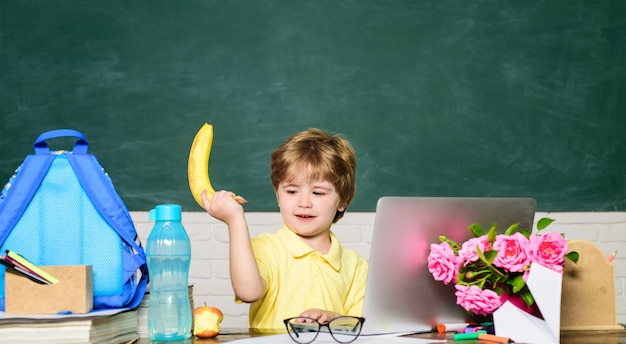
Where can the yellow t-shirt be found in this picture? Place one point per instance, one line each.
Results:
(299, 278)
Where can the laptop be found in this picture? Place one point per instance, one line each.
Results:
(401, 295)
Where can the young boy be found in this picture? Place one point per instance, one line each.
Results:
(301, 270)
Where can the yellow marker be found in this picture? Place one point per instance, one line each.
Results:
(32, 267)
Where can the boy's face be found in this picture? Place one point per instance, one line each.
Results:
(308, 207)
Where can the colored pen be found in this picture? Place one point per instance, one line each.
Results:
(10, 267)
(611, 257)
(494, 338)
(32, 267)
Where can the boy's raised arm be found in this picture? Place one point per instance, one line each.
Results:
(244, 271)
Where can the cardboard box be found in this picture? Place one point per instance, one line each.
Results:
(73, 293)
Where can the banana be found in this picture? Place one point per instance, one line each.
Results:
(198, 165)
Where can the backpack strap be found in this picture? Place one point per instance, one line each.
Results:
(21, 192)
(41, 147)
(141, 286)
(112, 209)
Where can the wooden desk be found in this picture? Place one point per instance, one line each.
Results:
(567, 337)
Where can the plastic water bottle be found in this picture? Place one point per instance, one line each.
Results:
(168, 253)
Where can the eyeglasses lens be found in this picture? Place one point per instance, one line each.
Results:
(303, 330)
(345, 329)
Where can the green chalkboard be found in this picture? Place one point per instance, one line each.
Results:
(439, 98)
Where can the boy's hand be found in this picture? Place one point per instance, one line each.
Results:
(222, 206)
(322, 316)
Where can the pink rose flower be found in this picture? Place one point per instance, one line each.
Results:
(512, 252)
(476, 300)
(549, 250)
(443, 264)
(468, 252)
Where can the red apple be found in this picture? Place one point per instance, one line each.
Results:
(206, 321)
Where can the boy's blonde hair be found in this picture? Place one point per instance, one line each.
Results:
(327, 157)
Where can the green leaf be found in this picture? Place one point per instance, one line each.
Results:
(453, 244)
(517, 283)
(526, 233)
(527, 297)
(491, 236)
(573, 256)
(490, 256)
(512, 229)
(543, 223)
(498, 290)
(459, 277)
(476, 230)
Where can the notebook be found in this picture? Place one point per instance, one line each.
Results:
(401, 295)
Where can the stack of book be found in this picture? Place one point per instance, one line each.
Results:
(142, 311)
(106, 326)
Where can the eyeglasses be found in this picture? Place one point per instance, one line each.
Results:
(343, 329)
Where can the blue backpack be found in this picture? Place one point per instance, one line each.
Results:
(60, 208)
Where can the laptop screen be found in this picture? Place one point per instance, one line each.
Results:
(401, 296)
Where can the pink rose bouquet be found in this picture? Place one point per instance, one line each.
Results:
(491, 268)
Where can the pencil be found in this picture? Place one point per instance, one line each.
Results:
(611, 257)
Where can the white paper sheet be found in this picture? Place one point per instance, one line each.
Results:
(512, 322)
(9, 318)
(325, 338)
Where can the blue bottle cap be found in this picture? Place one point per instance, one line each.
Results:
(165, 212)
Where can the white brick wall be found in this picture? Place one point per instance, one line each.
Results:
(209, 266)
